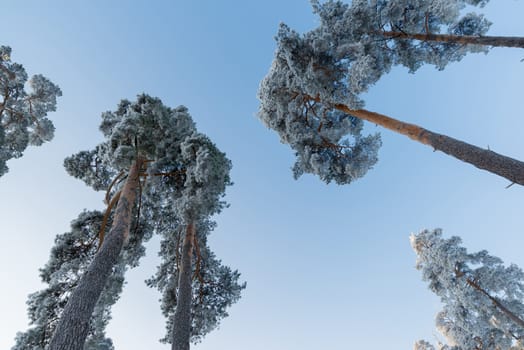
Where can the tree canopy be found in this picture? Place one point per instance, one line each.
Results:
(482, 298)
(23, 113)
(181, 177)
(214, 287)
(312, 93)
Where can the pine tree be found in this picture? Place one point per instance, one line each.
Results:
(311, 93)
(196, 292)
(139, 134)
(482, 298)
(23, 114)
(196, 287)
(154, 166)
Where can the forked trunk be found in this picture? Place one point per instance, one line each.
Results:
(73, 327)
(498, 41)
(182, 317)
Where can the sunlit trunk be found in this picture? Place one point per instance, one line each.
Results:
(485, 159)
(73, 327)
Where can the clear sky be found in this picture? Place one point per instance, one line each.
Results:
(327, 266)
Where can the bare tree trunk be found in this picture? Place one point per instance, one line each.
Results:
(73, 327)
(498, 41)
(485, 159)
(182, 317)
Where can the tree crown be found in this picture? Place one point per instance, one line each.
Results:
(23, 113)
(470, 285)
(338, 61)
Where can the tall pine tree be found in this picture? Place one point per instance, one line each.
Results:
(196, 287)
(311, 95)
(138, 134)
(153, 161)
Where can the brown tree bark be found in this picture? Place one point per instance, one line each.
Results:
(182, 317)
(485, 159)
(73, 327)
(497, 41)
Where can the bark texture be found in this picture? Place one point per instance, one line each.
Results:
(182, 317)
(485, 159)
(73, 327)
(497, 41)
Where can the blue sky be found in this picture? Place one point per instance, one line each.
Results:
(327, 266)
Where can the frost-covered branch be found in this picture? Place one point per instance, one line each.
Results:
(483, 299)
(23, 114)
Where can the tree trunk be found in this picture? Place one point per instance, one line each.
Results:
(73, 327)
(498, 41)
(485, 159)
(182, 317)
